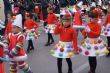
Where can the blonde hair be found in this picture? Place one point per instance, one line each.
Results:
(66, 17)
(60, 21)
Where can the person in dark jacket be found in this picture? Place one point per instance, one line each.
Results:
(7, 9)
(44, 5)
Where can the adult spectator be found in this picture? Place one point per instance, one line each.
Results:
(7, 9)
(44, 5)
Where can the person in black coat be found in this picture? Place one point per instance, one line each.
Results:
(64, 3)
(7, 9)
(44, 5)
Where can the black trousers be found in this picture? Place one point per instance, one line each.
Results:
(59, 64)
(30, 45)
(6, 18)
(50, 38)
(92, 63)
(1, 61)
(108, 40)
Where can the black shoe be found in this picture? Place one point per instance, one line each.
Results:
(47, 44)
(1, 61)
(70, 71)
(28, 51)
(32, 49)
(52, 42)
(60, 72)
(91, 72)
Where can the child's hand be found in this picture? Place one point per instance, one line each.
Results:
(6, 49)
(85, 37)
(10, 55)
(76, 52)
(36, 32)
(7, 58)
(103, 26)
(87, 29)
(108, 25)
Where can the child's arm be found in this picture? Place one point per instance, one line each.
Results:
(18, 46)
(8, 28)
(57, 29)
(106, 21)
(84, 33)
(46, 20)
(25, 25)
(75, 45)
(97, 32)
(55, 18)
(7, 41)
(36, 24)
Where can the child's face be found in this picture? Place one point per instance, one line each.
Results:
(50, 11)
(92, 20)
(77, 8)
(98, 7)
(15, 29)
(66, 23)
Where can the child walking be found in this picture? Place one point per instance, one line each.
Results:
(68, 41)
(49, 28)
(77, 15)
(31, 33)
(106, 28)
(93, 45)
(16, 52)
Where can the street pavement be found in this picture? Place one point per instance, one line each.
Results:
(42, 62)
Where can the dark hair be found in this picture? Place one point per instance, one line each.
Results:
(108, 5)
(10, 13)
(92, 8)
(92, 14)
(66, 17)
(50, 8)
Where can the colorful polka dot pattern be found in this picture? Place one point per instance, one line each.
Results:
(30, 35)
(63, 50)
(49, 28)
(93, 47)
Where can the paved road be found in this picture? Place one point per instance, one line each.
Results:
(42, 62)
